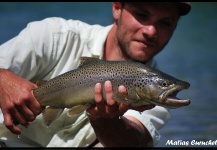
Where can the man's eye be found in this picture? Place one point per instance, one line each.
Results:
(165, 23)
(141, 17)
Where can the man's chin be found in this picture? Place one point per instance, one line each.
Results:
(141, 58)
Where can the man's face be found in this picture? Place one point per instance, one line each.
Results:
(143, 29)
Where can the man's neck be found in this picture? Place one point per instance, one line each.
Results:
(111, 49)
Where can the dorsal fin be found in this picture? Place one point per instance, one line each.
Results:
(86, 60)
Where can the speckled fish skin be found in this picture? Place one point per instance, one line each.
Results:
(145, 85)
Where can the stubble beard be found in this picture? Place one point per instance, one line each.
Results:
(123, 46)
(126, 53)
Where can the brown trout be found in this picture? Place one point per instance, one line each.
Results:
(75, 89)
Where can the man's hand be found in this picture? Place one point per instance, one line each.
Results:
(109, 108)
(111, 130)
(17, 101)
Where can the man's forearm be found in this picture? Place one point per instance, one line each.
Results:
(121, 132)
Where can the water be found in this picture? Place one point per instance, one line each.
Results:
(190, 55)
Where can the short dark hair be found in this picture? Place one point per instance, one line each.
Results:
(122, 4)
(184, 7)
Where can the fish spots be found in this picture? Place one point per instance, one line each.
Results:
(139, 84)
(77, 86)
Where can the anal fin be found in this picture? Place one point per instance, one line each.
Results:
(50, 114)
(123, 98)
(77, 110)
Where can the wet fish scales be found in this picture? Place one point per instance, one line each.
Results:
(145, 85)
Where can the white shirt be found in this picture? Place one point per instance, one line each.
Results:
(47, 48)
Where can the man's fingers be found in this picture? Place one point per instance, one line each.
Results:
(109, 93)
(32, 109)
(108, 107)
(122, 90)
(112, 105)
(27, 114)
(98, 98)
(98, 93)
(10, 125)
(16, 114)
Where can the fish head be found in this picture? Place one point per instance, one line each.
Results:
(162, 89)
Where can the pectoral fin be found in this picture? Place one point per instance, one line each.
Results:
(145, 100)
(77, 110)
(123, 98)
(50, 114)
(133, 98)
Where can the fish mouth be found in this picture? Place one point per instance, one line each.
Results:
(169, 98)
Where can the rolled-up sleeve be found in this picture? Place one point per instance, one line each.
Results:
(153, 119)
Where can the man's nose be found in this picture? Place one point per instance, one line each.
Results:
(149, 30)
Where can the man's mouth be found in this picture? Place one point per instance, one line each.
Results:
(146, 43)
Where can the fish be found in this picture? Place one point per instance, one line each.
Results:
(75, 89)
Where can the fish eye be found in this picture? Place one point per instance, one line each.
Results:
(164, 84)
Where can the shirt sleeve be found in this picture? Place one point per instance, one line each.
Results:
(31, 53)
(153, 119)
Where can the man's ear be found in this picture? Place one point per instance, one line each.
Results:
(116, 10)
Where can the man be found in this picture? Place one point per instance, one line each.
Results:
(47, 48)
